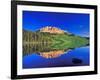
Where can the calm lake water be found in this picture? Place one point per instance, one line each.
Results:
(60, 58)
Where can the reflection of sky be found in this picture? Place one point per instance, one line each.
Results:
(36, 61)
(76, 23)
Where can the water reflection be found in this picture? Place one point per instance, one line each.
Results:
(43, 49)
(56, 58)
(52, 54)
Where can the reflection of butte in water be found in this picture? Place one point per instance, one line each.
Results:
(52, 54)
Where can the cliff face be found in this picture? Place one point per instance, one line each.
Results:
(51, 29)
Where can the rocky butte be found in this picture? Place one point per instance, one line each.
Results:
(51, 29)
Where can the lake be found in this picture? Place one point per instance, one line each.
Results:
(55, 58)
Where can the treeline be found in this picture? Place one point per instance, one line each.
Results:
(29, 36)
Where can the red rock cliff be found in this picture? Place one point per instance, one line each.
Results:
(51, 29)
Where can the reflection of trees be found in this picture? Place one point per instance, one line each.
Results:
(34, 48)
(42, 49)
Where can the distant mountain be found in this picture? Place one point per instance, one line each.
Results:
(52, 30)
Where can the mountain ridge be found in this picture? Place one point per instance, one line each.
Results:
(52, 30)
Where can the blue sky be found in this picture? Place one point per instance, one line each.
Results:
(76, 23)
